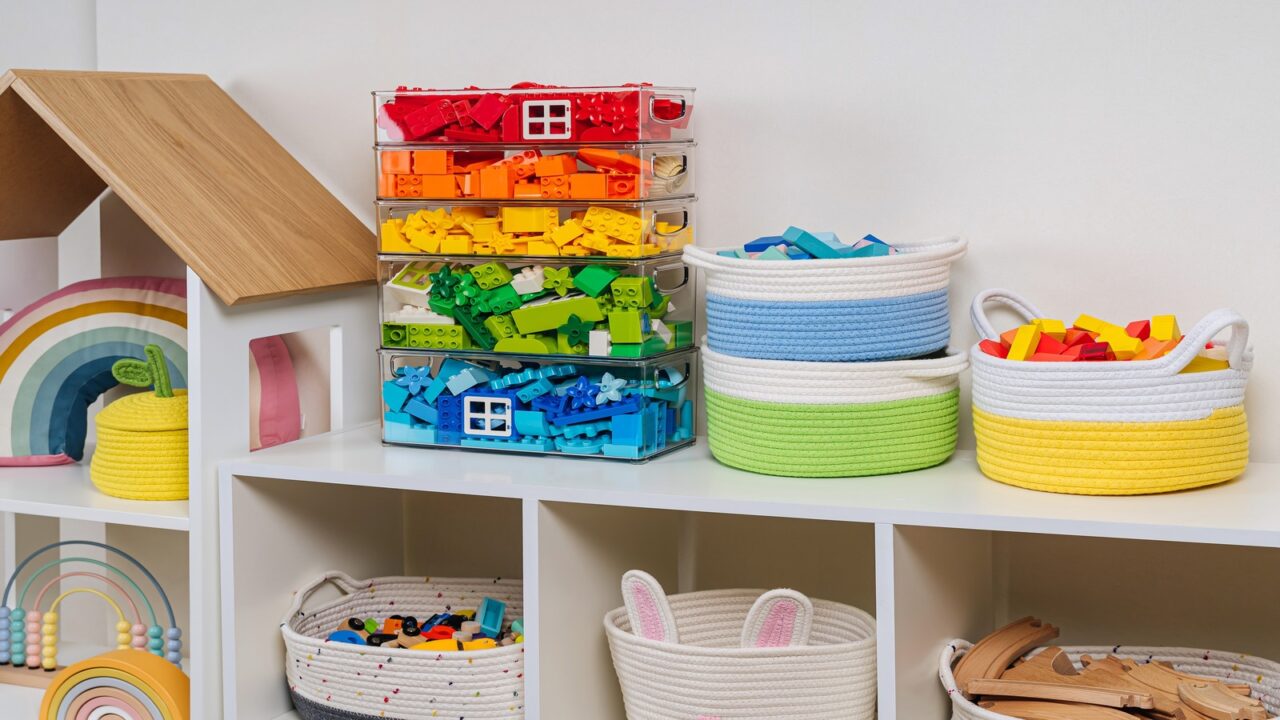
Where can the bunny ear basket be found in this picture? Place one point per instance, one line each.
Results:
(1111, 427)
(738, 654)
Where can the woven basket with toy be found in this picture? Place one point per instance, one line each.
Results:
(407, 648)
(1102, 409)
(740, 654)
(864, 301)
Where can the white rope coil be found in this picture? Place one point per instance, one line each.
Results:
(398, 683)
(916, 268)
(829, 383)
(709, 674)
(1261, 675)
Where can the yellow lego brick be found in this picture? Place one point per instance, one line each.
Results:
(567, 232)
(1025, 342)
(541, 247)
(1094, 325)
(596, 241)
(393, 239)
(625, 251)
(647, 250)
(1202, 363)
(456, 245)
(574, 251)
(624, 226)
(1055, 329)
(467, 213)
(424, 240)
(482, 229)
(1121, 343)
(482, 249)
(665, 228)
(529, 219)
(503, 244)
(1165, 327)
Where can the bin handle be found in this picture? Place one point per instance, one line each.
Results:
(341, 580)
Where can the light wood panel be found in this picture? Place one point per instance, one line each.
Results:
(212, 183)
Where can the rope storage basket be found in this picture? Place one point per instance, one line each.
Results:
(331, 680)
(1111, 427)
(142, 448)
(874, 308)
(1261, 675)
(824, 419)
(741, 655)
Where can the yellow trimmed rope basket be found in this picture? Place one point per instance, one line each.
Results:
(1111, 427)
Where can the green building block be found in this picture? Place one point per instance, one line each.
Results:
(441, 306)
(632, 292)
(500, 326)
(394, 335)
(564, 347)
(491, 275)
(530, 297)
(594, 279)
(480, 334)
(550, 316)
(527, 344)
(658, 308)
(438, 337)
(627, 326)
(500, 300)
(682, 330)
(415, 276)
(651, 346)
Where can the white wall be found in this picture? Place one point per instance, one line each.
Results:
(1118, 157)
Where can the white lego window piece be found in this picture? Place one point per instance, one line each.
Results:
(598, 343)
(547, 120)
(487, 417)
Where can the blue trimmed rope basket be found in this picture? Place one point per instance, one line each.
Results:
(846, 310)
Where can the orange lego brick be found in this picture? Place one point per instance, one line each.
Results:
(587, 186)
(397, 162)
(621, 185)
(554, 187)
(432, 162)
(553, 165)
(386, 185)
(1006, 338)
(1073, 352)
(610, 160)
(527, 190)
(1049, 357)
(521, 164)
(439, 186)
(496, 181)
(409, 186)
(1153, 348)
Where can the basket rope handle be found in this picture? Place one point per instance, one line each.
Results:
(999, 296)
(341, 580)
(1193, 341)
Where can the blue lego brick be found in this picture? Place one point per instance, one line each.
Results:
(773, 253)
(448, 437)
(533, 390)
(727, 253)
(590, 429)
(449, 413)
(468, 378)
(871, 250)
(422, 411)
(810, 243)
(684, 430)
(796, 253)
(414, 435)
(448, 369)
(524, 444)
(529, 375)
(627, 429)
(534, 422)
(561, 415)
(874, 239)
(582, 446)
(489, 615)
(630, 452)
(394, 396)
(764, 243)
(671, 420)
(830, 239)
(655, 428)
(397, 417)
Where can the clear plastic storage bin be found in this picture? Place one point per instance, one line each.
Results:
(538, 228)
(530, 172)
(626, 309)
(590, 407)
(531, 113)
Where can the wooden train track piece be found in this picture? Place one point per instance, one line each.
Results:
(997, 651)
(1214, 700)
(1041, 710)
(1059, 692)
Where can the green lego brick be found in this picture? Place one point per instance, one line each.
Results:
(658, 308)
(527, 344)
(500, 326)
(480, 334)
(491, 275)
(650, 346)
(415, 276)
(438, 337)
(394, 335)
(442, 306)
(500, 300)
(634, 292)
(564, 347)
(550, 316)
(627, 326)
(683, 332)
(530, 297)
(594, 279)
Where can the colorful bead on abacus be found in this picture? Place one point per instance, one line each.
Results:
(155, 642)
(4, 634)
(18, 640)
(139, 633)
(175, 646)
(35, 633)
(122, 635)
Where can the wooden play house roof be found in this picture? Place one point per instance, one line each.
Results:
(212, 183)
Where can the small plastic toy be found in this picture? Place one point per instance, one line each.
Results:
(797, 244)
(586, 310)
(1090, 339)
(615, 411)
(460, 630)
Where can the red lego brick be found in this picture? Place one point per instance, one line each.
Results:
(1050, 346)
(488, 110)
(459, 134)
(1140, 329)
(1094, 351)
(511, 131)
(1048, 357)
(1076, 336)
(993, 348)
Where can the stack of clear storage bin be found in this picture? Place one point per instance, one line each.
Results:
(533, 297)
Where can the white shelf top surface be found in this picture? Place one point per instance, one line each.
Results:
(954, 495)
(65, 491)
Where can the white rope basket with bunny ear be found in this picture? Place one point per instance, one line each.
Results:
(740, 655)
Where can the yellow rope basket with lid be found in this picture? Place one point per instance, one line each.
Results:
(142, 438)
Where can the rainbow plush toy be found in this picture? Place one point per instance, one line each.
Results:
(56, 357)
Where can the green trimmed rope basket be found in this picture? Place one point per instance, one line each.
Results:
(825, 419)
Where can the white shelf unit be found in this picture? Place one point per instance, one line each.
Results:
(935, 554)
(65, 491)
